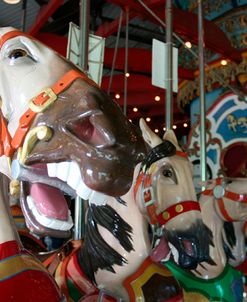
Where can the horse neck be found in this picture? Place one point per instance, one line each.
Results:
(141, 246)
(237, 249)
(8, 232)
(215, 224)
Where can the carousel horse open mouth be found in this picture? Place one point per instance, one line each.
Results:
(43, 195)
(191, 247)
(186, 248)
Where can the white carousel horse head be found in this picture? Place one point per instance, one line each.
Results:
(223, 201)
(234, 230)
(229, 197)
(60, 130)
(166, 194)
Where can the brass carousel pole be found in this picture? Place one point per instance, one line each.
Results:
(203, 160)
(79, 228)
(169, 62)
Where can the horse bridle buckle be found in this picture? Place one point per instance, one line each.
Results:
(43, 100)
(148, 196)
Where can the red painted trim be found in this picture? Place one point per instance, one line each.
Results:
(127, 282)
(172, 211)
(223, 210)
(44, 15)
(10, 35)
(8, 249)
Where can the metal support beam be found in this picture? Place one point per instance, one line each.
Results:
(201, 45)
(126, 61)
(44, 15)
(169, 65)
(83, 63)
(23, 15)
(84, 33)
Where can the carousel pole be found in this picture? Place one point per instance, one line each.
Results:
(202, 93)
(126, 61)
(23, 16)
(83, 63)
(115, 51)
(169, 62)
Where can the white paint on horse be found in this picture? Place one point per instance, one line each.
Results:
(23, 77)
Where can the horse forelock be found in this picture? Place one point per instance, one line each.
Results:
(165, 149)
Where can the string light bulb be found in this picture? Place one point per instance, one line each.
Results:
(117, 96)
(188, 44)
(223, 62)
(174, 127)
(157, 98)
(135, 109)
(127, 74)
(156, 130)
(12, 1)
(148, 119)
(185, 125)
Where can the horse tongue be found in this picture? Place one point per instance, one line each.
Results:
(160, 251)
(49, 201)
(188, 247)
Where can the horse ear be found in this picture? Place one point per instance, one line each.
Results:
(171, 136)
(149, 136)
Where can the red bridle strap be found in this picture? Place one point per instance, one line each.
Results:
(227, 194)
(182, 154)
(147, 195)
(12, 34)
(44, 99)
(27, 118)
(177, 209)
(149, 198)
(224, 194)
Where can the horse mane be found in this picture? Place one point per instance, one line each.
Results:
(165, 149)
(230, 239)
(96, 253)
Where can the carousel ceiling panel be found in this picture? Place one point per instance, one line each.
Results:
(11, 15)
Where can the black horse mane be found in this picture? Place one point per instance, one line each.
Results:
(230, 238)
(165, 149)
(96, 253)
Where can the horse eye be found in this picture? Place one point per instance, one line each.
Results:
(17, 53)
(167, 173)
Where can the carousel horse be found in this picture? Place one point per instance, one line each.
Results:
(72, 138)
(23, 278)
(224, 200)
(120, 264)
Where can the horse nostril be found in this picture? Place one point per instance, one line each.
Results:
(82, 129)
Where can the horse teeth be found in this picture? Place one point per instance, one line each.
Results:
(174, 252)
(62, 170)
(83, 191)
(52, 169)
(53, 223)
(74, 175)
(157, 242)
(98, 198)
